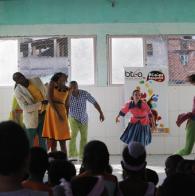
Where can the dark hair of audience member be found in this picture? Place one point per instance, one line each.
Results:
(57, 155)
(14, 148)
(178, 184)
(171, 164)
(108, 169)
(60, 169)
(82, 169)
(95, 157)
(151, 176)
(83, 186)
(186, 166)
(38, 162)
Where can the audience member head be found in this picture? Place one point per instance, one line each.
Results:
(61, 169)
(186, 166)
(57, 155)
(151, 176)
(14, 150)
(38, 162)
(95, 157)
(178, 184)
(171, 164)
(134, 159)
(109, 169)
(88, 185)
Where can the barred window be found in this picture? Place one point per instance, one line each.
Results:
(176, 52)
(43, 56)
(181, 58)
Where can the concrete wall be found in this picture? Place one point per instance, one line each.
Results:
(96, 11)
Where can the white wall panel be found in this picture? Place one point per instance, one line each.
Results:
(111, 100)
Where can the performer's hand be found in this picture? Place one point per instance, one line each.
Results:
(102, 117)
(117, 119)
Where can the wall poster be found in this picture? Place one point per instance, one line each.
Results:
(153, 84)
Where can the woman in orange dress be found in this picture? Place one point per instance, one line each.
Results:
(56, 126)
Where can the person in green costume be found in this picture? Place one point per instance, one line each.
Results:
(190, 126)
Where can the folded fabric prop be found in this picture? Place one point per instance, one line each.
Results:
(98, 188)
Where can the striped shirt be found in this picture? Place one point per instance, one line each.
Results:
(78, 106)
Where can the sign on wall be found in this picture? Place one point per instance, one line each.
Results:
(153, 84)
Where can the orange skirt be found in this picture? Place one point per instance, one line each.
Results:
(53, 127)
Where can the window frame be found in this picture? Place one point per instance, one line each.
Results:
(94, 37)
(109, 54)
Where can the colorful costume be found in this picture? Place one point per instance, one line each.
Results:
(53, 127)
(138, 128)
(30, 100)
(16, 113)
(190, 130)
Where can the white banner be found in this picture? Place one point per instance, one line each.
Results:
(153, 84)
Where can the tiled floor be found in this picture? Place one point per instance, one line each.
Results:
(155, 162)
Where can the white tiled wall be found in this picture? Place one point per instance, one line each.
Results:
(111, 99)
(6, 94)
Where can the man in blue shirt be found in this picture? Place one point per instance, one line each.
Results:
(78, 117)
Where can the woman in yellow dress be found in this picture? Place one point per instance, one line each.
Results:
(56, 126)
